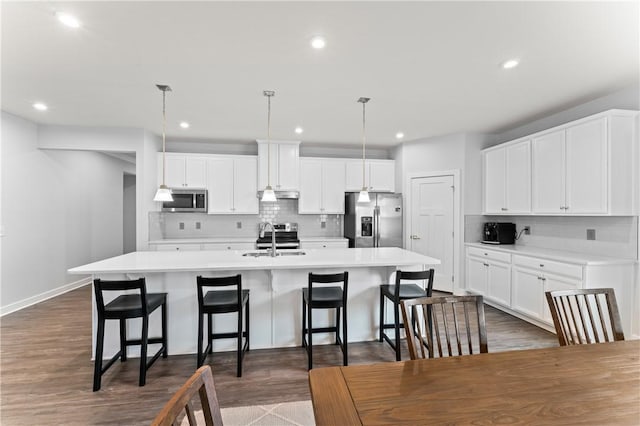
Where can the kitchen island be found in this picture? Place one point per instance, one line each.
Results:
(275, 284)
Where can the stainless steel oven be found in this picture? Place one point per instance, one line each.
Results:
(286, 236)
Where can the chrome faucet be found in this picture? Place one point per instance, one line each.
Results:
(263, 228)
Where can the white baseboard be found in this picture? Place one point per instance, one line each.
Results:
(24, 303)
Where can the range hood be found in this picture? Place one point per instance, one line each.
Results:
(283, 195)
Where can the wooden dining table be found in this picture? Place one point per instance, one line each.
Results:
(597, 384)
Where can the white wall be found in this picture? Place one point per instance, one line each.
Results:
(129, 214)
(59, 209)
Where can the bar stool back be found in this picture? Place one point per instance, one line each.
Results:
(397, 293)
(322, 297)
(222, 302)
(124, 307)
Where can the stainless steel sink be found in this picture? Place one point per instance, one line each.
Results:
(278, 253)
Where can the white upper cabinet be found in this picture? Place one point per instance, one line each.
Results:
(284, 165)
(322, 186)
(183, 170)
(232, 184)
(507, 179)
(379, 175)
(586, 167)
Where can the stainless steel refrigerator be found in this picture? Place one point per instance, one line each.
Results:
(374, 224)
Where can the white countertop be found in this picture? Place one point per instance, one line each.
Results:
(210, 260)
(205, 240)
(550, 254)
(234, 240)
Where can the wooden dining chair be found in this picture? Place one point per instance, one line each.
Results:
(579, 316)
(182, 401)
(455, 320)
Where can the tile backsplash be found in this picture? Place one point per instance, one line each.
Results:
(615, 236)
(201, 225)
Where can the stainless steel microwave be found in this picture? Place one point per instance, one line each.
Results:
(187, 200)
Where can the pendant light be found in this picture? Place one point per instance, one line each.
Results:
(164, 192)
(268, 195)
(364, 194)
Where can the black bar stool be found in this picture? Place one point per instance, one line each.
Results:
(222, 302)
(325, 298)
(399, 292)
(123, 307)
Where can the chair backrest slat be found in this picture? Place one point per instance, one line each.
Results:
(579, 316)
(442, 319)
(201, 384)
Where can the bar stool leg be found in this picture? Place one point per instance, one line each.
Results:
(97, 367)
(143, 350)
(200, 358)
(381, 316)
(304, 322)
(165, 352)
(123, 340)
(239, 342)
(396, 317)
(337, 326)
(345, 354)
(210, 331)
(247, 323)
(310, 342)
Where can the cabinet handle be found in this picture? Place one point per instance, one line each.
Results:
(485, 264)
(544, 279)
(504, 209)
(566, 207)
(414, 237)
(542, 265)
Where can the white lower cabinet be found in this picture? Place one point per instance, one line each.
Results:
(228, 246)
(517, 283)
(248, 245)
(177, 247)
(489, 274)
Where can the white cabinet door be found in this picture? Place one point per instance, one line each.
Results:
(586, 167)
(195, 172)
(245, 186)
(178, 247)
(527, 292)
(517, 184)
(333, 186)
(499, 282)
(220, 185)
(288, 167)
(548, 173)
(553, 282)
(494, 180)
(175, 171)
(353, 175)
(477, 275)
(324, 244)
(228, 246)
(382, 175)
(310, 186)
(265, 168)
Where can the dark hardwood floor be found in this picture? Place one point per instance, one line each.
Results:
(46, 371)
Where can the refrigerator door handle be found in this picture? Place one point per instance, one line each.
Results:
(376, 226)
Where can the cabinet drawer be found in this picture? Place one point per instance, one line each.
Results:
(178, 247)
(229, 246)
(544, 265)
(489, 254)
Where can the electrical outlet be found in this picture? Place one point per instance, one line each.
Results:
(527, 230)
(323, 225)
(239, 225)
(198, 225)
(181, 225)
(591, 234)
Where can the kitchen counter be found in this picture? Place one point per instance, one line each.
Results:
(550, 254)
(274, 285)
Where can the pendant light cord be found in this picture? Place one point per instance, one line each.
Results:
(363, 144)
(269, 140)
(164, 124)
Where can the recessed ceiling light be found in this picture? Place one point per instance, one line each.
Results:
(318, 42)
(511, 63)
(299, 130)
(68, 20)
(399, 135)
(40, 106)
(184, 124)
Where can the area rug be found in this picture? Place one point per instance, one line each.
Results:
(299, 413)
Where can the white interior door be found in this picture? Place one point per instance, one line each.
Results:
(432, 225)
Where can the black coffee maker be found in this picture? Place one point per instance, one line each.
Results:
(499, 233)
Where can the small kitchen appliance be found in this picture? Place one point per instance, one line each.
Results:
(499, 233)
(286, 236)
(187, 201)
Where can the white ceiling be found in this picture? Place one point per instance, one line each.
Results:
(431, 68)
